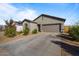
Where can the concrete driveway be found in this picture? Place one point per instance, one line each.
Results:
(39, 45)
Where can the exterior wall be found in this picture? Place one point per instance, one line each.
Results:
(31, 26)
(46, 20)
(19, 28)
(62, 27)
(39, 20)
(25, 22)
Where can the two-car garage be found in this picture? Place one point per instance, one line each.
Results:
(51, 28)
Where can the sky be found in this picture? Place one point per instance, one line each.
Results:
(20, 11)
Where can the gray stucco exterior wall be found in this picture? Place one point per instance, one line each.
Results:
(31, 25)
(47, 20)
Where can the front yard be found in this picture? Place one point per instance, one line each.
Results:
(4, 39)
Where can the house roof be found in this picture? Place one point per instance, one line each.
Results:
(18, 22)
(29, 21)
(54, 17)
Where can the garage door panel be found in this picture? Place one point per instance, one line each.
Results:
(50, 28)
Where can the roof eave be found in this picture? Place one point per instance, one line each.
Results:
(28, 21)
(61, 19)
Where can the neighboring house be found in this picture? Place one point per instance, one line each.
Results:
(43, 23)
(19, 26)
(31, 25)
(49, 23)
(2, 27)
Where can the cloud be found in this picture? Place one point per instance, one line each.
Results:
(26, 13)
(8, 11)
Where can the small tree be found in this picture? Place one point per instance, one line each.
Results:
(74, 32)
(25, 30)
(10, 28)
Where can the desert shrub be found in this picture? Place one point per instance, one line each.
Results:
(10, 32)
(10, 29)
(74, 32)
(26, 30)
(34, 31)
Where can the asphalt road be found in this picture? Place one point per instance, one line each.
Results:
(40, 45)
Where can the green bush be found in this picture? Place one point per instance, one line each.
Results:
(34, 31)
(25, 31)
(10, 28)
(10, 32)
(74, 32)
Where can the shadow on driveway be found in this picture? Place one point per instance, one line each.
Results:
(73, 50)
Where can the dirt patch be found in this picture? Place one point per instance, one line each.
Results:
(4, 39)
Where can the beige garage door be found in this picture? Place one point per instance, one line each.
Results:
(51, 28)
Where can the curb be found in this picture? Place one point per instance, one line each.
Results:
(71, 43)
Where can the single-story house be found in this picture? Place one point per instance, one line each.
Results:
(49, 23)
(43, 23)
(30, 24)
